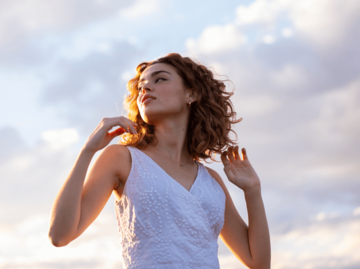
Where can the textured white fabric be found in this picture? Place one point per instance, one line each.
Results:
(163, 225)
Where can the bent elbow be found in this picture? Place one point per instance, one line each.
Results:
(57, 241)
(262, 265)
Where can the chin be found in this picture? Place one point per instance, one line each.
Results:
(152, 115)
(150, 118)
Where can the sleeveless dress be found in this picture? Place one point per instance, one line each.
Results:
(162, 224)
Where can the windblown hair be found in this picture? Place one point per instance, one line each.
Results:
(210, 118)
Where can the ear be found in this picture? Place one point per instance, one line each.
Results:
(192, 95)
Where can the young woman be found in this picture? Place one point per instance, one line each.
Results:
(170, 208)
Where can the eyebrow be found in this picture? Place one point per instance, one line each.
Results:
(153, 74)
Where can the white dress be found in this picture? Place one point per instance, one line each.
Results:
(162, 224)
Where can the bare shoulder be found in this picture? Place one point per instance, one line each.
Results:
(117, 159)
(116, 150)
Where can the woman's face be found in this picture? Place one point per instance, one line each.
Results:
(161, 94)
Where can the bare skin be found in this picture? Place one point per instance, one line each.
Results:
(81, 199)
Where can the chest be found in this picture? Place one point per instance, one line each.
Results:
(154, 198)
(184, 174)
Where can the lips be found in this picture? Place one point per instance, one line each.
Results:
(147, 97)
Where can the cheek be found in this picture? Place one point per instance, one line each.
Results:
(173, 97)
(138, 101)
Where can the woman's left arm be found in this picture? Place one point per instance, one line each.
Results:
(250, 244)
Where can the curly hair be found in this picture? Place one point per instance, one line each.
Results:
(210, 118)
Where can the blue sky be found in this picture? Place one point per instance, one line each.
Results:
(295, 72)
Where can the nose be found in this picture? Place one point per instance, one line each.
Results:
(145, 88)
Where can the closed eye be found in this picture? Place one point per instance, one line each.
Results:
(158, 79)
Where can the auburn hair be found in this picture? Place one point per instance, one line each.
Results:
(211, 116)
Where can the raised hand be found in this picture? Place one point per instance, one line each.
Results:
(102, 136)
(239, 170)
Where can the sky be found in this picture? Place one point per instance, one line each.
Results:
(295, 72)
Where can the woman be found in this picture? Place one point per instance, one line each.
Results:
(170, 207)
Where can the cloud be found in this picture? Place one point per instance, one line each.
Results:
(90, 89)
(20, 19)
(41, 171)
(322, 21)
(318, 246)
(268, 39)
(327, 23)
(140, 9)
(26, 245)
(256, 105)
(259, 12)
(287, 32)
(60, 138)
(30, 180)
(356, 211)
(10, 142)
(216, 38)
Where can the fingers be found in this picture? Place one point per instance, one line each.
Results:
(244, 154)
(127, 125)
(117, 132)
(224, 160)
(236, 152)
(230, 154)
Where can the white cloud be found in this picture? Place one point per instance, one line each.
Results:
(217, 38)
(126, 76)
(260, 11)
(140, 8)
(268, 39)
(326, 22)
(27, 245)
(323, 22)
(287, 32)
(25, 208)
(318, 246)
(320, 216)
(356, 211)
(60, 138)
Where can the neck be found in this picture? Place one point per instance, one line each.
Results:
(171, 139)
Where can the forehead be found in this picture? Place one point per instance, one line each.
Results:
(157, 67)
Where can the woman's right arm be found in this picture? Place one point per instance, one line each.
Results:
(79, 202)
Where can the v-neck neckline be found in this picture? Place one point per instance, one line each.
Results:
(196, 178)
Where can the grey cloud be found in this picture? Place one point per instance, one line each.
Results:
(20, 20)
(31, 178)
(30, 181)
(91, 89)
(10, 143)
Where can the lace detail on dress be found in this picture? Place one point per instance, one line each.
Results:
(163, 225)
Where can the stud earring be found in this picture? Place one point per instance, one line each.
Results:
(189, 103)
